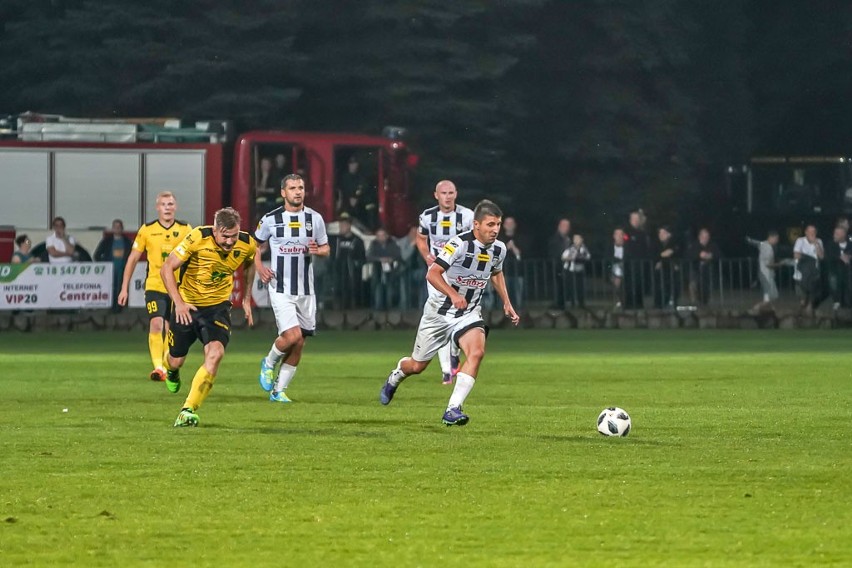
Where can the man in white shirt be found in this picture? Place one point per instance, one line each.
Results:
(60, 245)
(808, 252)
(295, 234)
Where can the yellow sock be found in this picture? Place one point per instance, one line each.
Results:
(156, 346)
(202, 382)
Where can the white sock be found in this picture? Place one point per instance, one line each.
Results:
(285, 375)
(455, 351)
(397, 375)
(464, 384)
(444, 358)
(274, 356)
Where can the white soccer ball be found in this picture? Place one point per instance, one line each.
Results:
(614, 421)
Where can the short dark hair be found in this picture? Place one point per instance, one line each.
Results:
(290, 177)
(55, 219)
(21, 239)
(772, 233)
(486, 208)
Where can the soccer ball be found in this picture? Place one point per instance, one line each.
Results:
(614, 421)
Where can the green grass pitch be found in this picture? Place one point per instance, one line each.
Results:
(740, 455)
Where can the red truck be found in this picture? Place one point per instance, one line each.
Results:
(91, 171)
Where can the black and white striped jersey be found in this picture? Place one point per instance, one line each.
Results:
(289, 233)
(468, 266)
(440, 227)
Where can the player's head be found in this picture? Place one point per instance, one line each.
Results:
(58, 226)
(772, 237)
(445, 193)
(23, 243)
(117, 226)
(166, 206)
(226, 227)
(811, 233)
(487, 218)
(293, 191)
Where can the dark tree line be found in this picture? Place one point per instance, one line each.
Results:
(551, 107)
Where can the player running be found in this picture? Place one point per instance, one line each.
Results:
(453, 312)
(438, 225)
(202, 305)
(296, 234)
(156, 240)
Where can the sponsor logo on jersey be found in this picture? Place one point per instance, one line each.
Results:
(449, 249)
(471, 281)
(483, 257)
(446, 224)
(294, 225)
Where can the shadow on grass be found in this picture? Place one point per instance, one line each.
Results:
(633, 441)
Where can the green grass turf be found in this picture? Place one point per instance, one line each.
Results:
(739, 456)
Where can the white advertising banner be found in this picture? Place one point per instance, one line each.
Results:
(136, 287)
(44, 286)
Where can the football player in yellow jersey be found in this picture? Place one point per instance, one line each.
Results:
(202, 305)
(156, 240)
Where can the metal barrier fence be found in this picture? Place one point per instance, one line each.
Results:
(730, 283)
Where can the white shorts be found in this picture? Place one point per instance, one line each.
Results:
(436, 330)
(294, 311)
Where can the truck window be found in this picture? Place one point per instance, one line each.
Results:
(356, 184)
(271, 163)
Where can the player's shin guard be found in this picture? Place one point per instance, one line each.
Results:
(444, 358)
(157, 349)
(464, 384)
(202, 382)
(285, 375)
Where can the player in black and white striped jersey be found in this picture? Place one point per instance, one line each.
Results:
(453, 312)
(296, 234)
(438, 225)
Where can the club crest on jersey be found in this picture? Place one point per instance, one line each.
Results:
(458, 227)
(175, 233)
(309, 226)
(236, 254)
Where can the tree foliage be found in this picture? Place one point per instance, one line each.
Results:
(551, 107)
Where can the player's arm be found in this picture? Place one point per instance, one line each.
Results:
(318, 250)
(265, 273)
(422, 243)
(132, 260)
(498, 280)
(435, 277)
(167, 273)
(248, 288)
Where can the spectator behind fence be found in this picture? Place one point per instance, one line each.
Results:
(556, 245)
(837, 255)
(808, 252)
(22, 255)
(637, 252)
(766, 269)
(385, 257)
(512, 266)
(352, 188)
(412, 276)
(267, 188)
(60, 245)
(616, 267)
(667, 273)
(348, 255)
(115, 248)
(574, 260)
(702, 255)
(279, 171)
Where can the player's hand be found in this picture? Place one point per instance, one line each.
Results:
(458, 301)
(122, 298)
(430, 259)
(312, 247)
(182, 314)
(266, 274)
(510, 313)
(247, 310)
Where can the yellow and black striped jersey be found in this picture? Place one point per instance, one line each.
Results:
(157, 241)
(208, 271)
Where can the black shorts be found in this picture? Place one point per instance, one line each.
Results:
(210, 323)
(158, 304)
